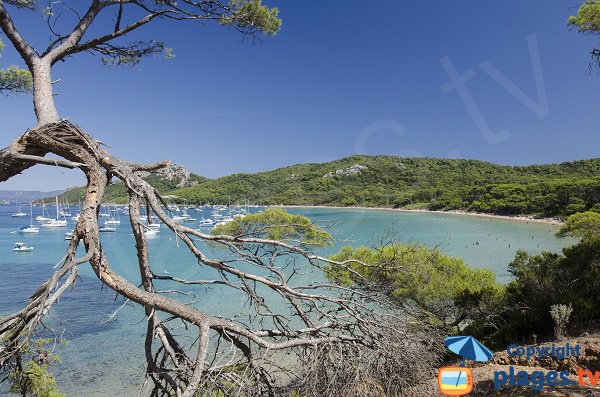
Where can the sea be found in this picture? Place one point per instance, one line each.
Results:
(104, 350)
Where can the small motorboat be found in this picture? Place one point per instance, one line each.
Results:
(69, 235)
(207, 222)
(29, 229)
(22, 247)
(107, 229)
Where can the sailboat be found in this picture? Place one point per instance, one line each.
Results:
(66, 212)
(78, 214)
(19, 213)
(44, 217)
(30, 228)
(113, 220)
(105, 213)
(56, 222)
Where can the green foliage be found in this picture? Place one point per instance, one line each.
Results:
(438, 184)
(585, 225)
(14, 79)
(136, 51)
(117, 193)
(349, 201)
(33, 378)
(22, 3)
(276, 224)
(448, 184)
(447, 289)
(587, 19)
(541, 281)
(252, 14)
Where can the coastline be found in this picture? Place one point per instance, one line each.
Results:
(522, 218)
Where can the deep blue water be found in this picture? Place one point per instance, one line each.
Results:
(104, 355)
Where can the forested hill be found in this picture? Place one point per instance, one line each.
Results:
(387, 181)
(165, 180)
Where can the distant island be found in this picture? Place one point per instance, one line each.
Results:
(24, 196)
(549, 190)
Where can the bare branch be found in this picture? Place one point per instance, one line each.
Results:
(21, 45)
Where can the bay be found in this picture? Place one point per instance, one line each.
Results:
(104, 355)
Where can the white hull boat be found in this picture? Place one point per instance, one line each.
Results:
(29, 229)
(55, 223)
(22, 247)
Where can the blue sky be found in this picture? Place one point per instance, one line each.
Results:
(340, 78)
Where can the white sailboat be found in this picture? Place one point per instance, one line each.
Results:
(105, 214)
(30, 228)
(56, 222)
(44, 217)
(113, 220)
(66, 212)
(153, 226)
(19, 213)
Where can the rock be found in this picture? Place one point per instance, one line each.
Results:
(173, 172)
(355, 169)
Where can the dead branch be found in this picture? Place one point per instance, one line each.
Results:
(241, 356)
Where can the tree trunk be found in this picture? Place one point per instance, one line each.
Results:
(43, 100)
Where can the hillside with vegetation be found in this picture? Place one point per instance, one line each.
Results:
(388, 181)
(166, 180)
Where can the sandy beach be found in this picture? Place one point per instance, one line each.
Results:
(522, 218)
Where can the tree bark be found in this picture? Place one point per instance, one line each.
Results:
(43, 99)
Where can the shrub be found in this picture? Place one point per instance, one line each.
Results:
(560, 315)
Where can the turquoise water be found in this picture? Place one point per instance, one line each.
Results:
(104, 355)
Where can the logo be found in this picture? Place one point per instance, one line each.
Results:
(455, 381)
(458, 381)
(537, 380)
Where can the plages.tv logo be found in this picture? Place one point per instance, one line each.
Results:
(458, 380)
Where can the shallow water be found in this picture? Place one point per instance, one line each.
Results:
(104, 355)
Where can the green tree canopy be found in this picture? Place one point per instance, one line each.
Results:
(585, 225)
(276, 224)
(444, 287)
(540, 281)
(587, 19)
(14, 79)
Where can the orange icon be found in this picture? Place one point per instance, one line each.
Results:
(455, 381)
